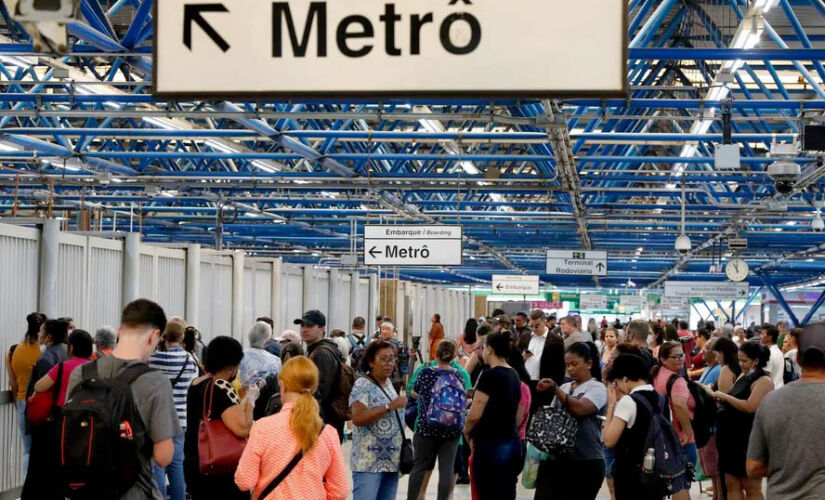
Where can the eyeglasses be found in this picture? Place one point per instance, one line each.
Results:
(678, 356)
(385, 359)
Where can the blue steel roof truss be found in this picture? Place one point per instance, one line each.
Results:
(296, 174)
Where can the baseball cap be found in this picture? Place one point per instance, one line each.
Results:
(312, 317)
(503, 320)
(812, 337)
(289, 336)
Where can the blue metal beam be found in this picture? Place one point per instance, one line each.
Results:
(814, 309)
(780, 299)
(724, 311)
(748, 303)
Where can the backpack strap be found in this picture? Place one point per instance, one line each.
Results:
(670, 382)
(132, 372)
(644, 402)
(182, 369)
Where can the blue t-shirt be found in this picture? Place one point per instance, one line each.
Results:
(711, 375)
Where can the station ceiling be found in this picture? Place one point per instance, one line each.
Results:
(82, 138)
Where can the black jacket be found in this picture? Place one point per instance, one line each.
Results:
(328, 359)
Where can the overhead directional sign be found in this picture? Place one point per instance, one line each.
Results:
(412, 245)
(674, 303)
(384, 47)
(577, 262)
(632, 301)
(504, 284)
(593, 302)
(714, 290)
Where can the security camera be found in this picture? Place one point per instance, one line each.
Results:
(818, 225)
(683, 244)
(784, 174)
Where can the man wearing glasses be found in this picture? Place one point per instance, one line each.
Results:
(544, 356)
(327, 357)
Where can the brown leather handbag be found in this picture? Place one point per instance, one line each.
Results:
(219, 449)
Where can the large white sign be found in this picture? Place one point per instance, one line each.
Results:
(577, 262)
(412, 245)
(632, 301)
(504, 284)
(592, 301)
(674, 303)
(715, 290)
(384, 47)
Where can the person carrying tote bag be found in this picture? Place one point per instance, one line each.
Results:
(316, 471)
(217, 425)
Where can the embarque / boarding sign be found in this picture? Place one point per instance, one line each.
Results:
(412, 245)
(388, 47)
(515, 284)
(577, 262)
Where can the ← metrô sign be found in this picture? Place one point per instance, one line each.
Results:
(412, 245)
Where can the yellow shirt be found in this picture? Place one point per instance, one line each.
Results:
(22, 362)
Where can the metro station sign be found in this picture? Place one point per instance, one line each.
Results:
(412, 245)
(385, 47)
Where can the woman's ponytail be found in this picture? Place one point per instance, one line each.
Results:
(300, 375)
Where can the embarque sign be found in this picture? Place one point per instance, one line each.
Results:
(412, 245)
(386, 47)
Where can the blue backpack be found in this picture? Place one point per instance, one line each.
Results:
(669, 470)
(448, 403)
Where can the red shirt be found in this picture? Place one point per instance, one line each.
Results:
(68, 367)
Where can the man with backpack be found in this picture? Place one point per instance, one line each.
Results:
(332, 394)
(120, 415)
(358, 341)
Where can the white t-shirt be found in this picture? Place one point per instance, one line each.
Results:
(776, 367)
(791, 355)
(626, 408)
(533, 365)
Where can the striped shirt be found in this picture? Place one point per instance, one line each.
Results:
(169, 363)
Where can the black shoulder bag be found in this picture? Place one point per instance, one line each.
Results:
(405, 465)
(182, 369)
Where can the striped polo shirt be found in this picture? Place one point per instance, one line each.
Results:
(169, 363)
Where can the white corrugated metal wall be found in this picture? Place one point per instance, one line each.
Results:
(171, 281)
(105, 290)
(19, 250)
(72, 278)
(215, 295)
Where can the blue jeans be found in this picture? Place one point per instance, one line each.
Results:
(177, 486)
(27, 438)
(374, 485)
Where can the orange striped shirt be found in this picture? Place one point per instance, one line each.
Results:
(271, 446)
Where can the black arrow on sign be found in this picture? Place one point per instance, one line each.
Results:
(499, 287)
(373, 251)
(192, 13)
(600, 266)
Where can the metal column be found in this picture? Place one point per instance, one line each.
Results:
(237, 296)
(131, 268)
(372, 309)
(49, 251)
(275, 296)
(193, 282)
(334, 319)
(781, 300)
(354, 288)
(308, 289)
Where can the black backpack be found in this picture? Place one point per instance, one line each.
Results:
(704, 413)
(669, 465)
(101, 435)
(789, 374)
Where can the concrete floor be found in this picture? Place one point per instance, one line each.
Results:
(462, 492)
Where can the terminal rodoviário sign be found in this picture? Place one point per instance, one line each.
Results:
(387, 47)
(577, 262)
(412, 245)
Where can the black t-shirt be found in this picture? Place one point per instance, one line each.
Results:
(223, 397)
(498, 422)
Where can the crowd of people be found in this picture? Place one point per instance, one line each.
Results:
(147, 411)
